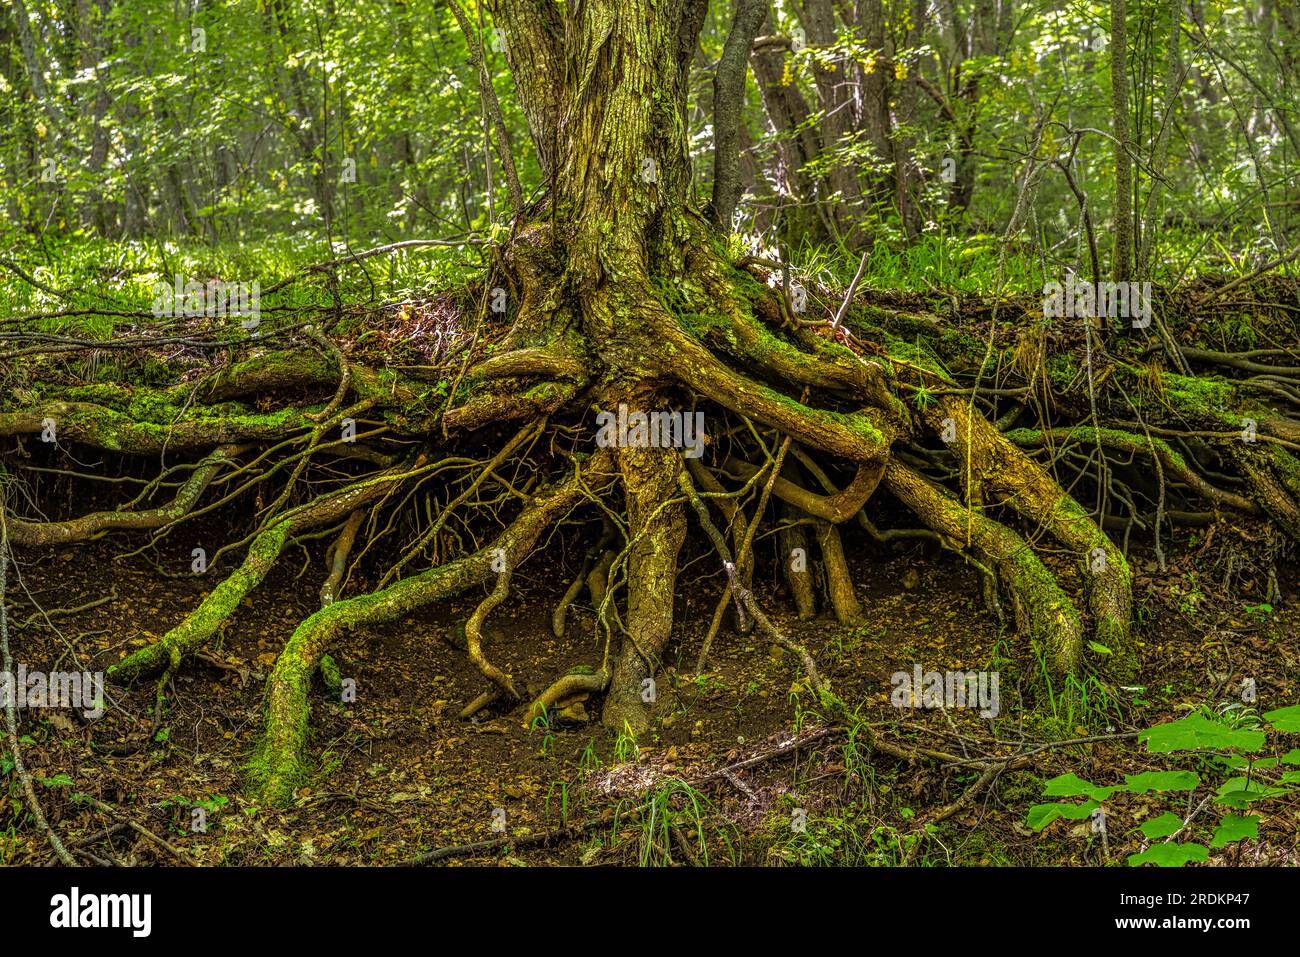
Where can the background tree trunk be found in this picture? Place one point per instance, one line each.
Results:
(1122, 258)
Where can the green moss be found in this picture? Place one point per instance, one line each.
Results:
(1288, 468)
(914, 353)
(1062, 370)
(1054, 624)
(202, 623)
(542, 392)
(1206, 397)
(276, 768)
(705, 327)
(746, 285)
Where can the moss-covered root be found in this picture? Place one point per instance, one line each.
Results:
(1043, 611)
(277, 765)
(1173, 464)
(1005, 473)
(863, 437)
(839, 581)
(89, 526)
(201, 624)
(657, 526)
(152, 430)
(1274, 477)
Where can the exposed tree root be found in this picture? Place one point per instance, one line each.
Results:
(745, 598)
(474, 635)
(277, 767)
(994, 467)
(201, 624)
(839, 581)
(807, 419)
(656, 529)
(94, 524)
(792, 545)
(598, 554)
(566, 686)
(337, 557)
(1043, 611)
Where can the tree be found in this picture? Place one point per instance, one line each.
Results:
(612, 294)
(1122, 258)
(590, 272)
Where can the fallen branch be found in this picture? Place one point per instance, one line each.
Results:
(140, 829)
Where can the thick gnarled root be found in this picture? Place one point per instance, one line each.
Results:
(1042, 609)
(994, 468)
(657, 528)
(215, 610)
(278, 767)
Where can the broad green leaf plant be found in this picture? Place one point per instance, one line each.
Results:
(1229, 750)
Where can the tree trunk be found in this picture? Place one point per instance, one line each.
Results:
(1172, 91)
(1122, 259)
(728, 109)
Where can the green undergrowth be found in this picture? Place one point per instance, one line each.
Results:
(93, 273)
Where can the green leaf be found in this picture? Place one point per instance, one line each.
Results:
(1285, 719)
(1234, 827)
(1070, 785)
(1196, 731)
(1099, 648)
(1169, 855)
(1161, 826)
(1162, 781)
(1240, 792)
(1041, 815)
(1292, 756)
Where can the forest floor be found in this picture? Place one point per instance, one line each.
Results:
(400, 774)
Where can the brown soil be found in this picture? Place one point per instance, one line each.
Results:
(400, 774)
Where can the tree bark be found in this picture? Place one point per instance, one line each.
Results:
(728, 109)
(1122, 259)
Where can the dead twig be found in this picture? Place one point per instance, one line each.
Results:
(140, 829)
(11, 717)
